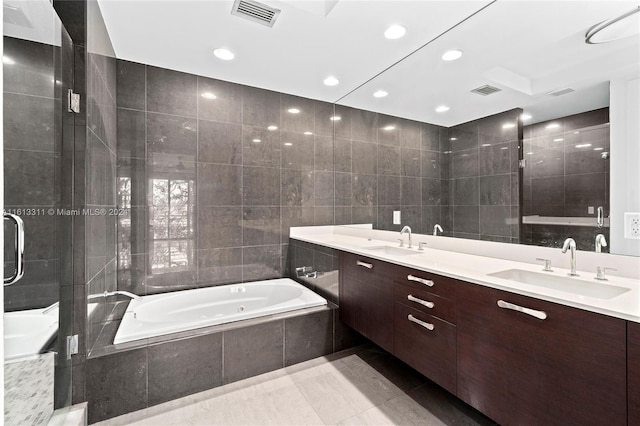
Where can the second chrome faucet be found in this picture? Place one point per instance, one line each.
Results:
(406, 230)
(570, 244)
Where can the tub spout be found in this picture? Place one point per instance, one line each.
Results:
(122, 293)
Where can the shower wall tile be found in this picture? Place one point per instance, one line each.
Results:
(303, 121)
(495, 190)
(225, 106)
(130, 85)
(171, 134)
(131, 133)
(261, 186)
(219, 143)
(364, 158)
(219, 185)
(261, 147)
(364, 125)
(388, 160)
(410, 134)
(219, 266)
(219, 227)
(29, 178)
(261, 262)
(29, 122)
(260, 226)
(298, 153)
(260, 108)
(32, 61)
(171, 92)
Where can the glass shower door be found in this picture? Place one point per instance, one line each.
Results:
(38, 159)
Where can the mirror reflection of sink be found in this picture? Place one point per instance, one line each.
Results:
(395, 251)
(571, 285)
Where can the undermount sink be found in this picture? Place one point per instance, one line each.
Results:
(568, 284)
(394, 251)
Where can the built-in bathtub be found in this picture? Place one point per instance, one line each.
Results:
(250, 329)
(161, 314)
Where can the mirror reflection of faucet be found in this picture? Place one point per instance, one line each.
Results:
(600, 242)
(406, 230)
(437, 228)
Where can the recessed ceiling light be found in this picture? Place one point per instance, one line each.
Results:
(335, 118)
(526, 116)
(576, 132)
(486, 144)
(257, 140)
(508, 125)
(505, 147)
(293, 111)
(598, 149)
(7, 60)
(224, 54)
(380, 94)
(442, 108)
(530, 153)
(553, 126)
(331, 81)
(453, 139)
(395, 32)
(308, 133)
(583, 145)
(388, 128)
(208, 95)
(288, 144)
(558, 139)
(452, 55)
(272, 128)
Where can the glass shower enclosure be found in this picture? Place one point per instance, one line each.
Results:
(38, 153)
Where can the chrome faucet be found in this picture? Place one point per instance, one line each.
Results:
(570, 244)
(407, 230)
(122, 293)
(437, 228)
(600, 242)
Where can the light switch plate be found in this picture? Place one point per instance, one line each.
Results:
(396, 217)
(632, 226)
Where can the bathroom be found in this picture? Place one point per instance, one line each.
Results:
(158, 148)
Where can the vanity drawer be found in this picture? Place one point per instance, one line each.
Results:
(424, 301)
(436, 284)
(430, 351)
(357, 266)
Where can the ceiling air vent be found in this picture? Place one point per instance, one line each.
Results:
(485, 90)
(561, 92)
(256, 12)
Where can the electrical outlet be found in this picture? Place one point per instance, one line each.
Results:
(632, 226)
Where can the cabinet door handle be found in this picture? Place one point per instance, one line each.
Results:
(420, 301)
(426, 325)
(420, 280)
(366, 265)
(541, 315)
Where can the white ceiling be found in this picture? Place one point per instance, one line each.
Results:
(294, 56)
(526, 48)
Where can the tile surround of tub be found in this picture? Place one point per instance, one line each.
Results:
(162, 369)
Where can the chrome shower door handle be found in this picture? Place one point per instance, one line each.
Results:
(600, 219)
(19, 242)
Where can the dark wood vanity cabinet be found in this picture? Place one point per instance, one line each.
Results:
(633, 372)
(424, 324)
(566, 369)
(366, 298)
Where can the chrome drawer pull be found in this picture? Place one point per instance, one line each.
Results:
(419, 322)
(420, 301)
(420, 280)
(538, 314)
(366, 265)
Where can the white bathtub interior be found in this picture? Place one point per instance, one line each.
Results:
(167, 313)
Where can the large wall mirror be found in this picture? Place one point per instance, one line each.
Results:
(508, 127)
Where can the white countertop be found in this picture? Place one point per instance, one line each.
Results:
(474, 268)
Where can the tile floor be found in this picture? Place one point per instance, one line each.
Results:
(361, 386)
